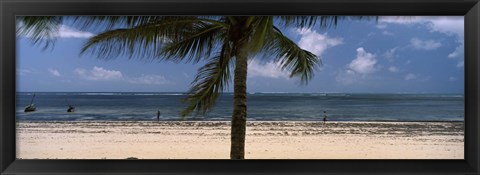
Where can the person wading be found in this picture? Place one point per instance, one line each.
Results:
(324, 117)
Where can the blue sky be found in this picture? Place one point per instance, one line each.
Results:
(393, 55)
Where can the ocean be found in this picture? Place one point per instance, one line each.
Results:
(141, 106)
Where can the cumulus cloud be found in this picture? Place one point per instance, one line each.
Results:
(424, 44)
(98, 73)
(150, 79)
(54, 72)
(450, 25)
(410, 76)
(457, 53)
(445, 24)
(364, 63)
(268, 69)
(316, 43)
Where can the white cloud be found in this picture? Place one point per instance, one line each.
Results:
(347, 77)
(410, 76)
(444, 24)
(64, 32)
(98, 73)
(450, 25)
(316, 43)
(452, 79)
(460, 64)
(150, 79)
(424, 45)
(398, 20)
(393, 69)
(447, 25)
(54, 72)
(364, 63)
(102, 74)
(390, 55)
(68, 32)
(269, 70)
(457, 53)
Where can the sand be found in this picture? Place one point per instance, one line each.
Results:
(264, 140)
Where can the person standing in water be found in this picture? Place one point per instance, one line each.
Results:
(324, 117)
(158, 115)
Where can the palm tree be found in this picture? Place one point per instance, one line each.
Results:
(224, 42)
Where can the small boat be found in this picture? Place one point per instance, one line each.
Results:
(70, 108)
(31, 107)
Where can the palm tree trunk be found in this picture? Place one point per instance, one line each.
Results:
(239, 116)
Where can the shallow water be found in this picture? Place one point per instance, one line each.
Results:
(261, 107)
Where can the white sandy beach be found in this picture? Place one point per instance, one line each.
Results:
(264, 140)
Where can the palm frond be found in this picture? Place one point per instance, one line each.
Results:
(135, 42)
(261, 27)
(301, 63)
(210, 81)
(112, 22)
(39, 29)
(195, 44)
(147, 40)
(322, 21)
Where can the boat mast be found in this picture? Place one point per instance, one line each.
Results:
(31, 102)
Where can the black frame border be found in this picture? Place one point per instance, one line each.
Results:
(10, 8)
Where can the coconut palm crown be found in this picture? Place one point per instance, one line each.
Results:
(224, 43)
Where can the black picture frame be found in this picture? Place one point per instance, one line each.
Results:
(10, 8)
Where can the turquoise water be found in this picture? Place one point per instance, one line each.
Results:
(261, 106)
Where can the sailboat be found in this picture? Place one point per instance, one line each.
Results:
(70, 107)
(31, 107)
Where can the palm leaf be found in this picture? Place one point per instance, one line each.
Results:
(261, 27)
(322, 21)
(39, 29)
(143, 41)
(196, 44)
(210, 81)
(301, 63)
(138, 42)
